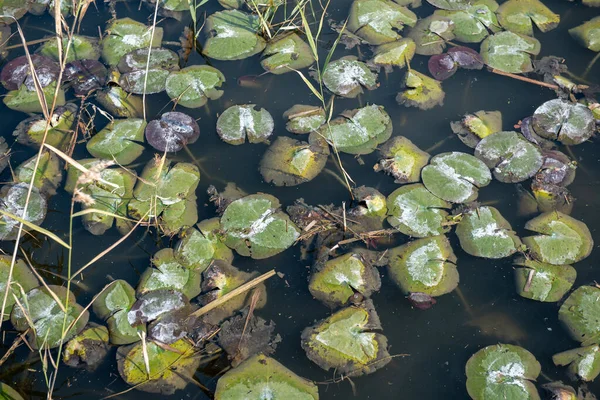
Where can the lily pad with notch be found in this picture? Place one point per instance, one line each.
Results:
(303, 119)
(241, 122)
(588, 34)
(420, 91)
(474, 127)
(347, 77)
(509, 52)
(584, 362)
(579, 314)
(541, 281)
(379, 21)
(285, 53)
(402, 159)
(167, 273)
(431, 33)
(475, 22)
(201, 245)
(191, 87)
(395, 54)
(519, 16)
(118, 141)
(126, 35)
(85, 76)
(172, 131)
(566, 122)
(119, 103)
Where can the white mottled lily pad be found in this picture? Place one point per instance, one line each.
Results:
(118, 141)
(192, 86)
(143, 74)
(126, 35)
(509, 52)
(286, 53)
(22, 278)
(583, 362)
(579, 313)
(519, 16)
(232, 35)
(243, 121)
(474, 23)
(167, 273)
(347, 77)
(12, 200)
(304, 119)
(199, 247)
(379, 21)
(569, 123)
(543, 282)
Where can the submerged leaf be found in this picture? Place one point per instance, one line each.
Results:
(379, 21)
(285, 53)
(239, 122)
(443, 66)
(420, 91)
(172, 131)
(519, 15)
(543, 282)
(579, 313)
(569, 123)
(232, 35)
(347, 77)
(192, 86)
(509, 52)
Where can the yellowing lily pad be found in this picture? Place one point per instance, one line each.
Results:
(420, 91)
(402, 159)
(31, 130)
(474, 127)
(394, 54)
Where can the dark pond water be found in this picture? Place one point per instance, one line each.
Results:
(439, 341)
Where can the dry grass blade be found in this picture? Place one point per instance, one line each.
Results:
(36, 228)
(50, 291)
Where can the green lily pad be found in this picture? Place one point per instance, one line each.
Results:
(4, 154)
(168, 193)
(455, 176)
(420, 91)
(199, 247)
(13, 199)
(27, 101)
(551, 197)
(262, 377)
(337, 281)
(502, 371)
(167, 273)
(431, 33)
(118, 141)
(347, 77)
(402, 159)
(22, 278)
(379, 21)
(588, 34)
(285, 53)
(584, 362)
(113, 305)
(82, 48)
(47, 176)
(290, 162)
(483, 232)
(87, 349)
(8, 393)
(359, 131)
(511, 157)
(232, 35)
(424, 266)
(415, 211)
(579, 313)
(192, 86)
(395, 54)
(370, 206)
(304, 119)
(509, 52)
(348, 341)
(126, 35)
(31, 130)
(143, 74)
(254, 226)
(243, 121)
(474, 127)
(569, 123)
(519, 16)
(41, 309)
(221, 278)
(170, 368)
(119, 103)
(561, 240)
(450, 4)
(543, 282)
(473, 23)
(231, 4)
(12, 10)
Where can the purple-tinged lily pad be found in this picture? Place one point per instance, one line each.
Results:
(172, 131)
(18, 71)
(85, 76)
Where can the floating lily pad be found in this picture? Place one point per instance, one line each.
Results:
(221, 278)
(395, 54)
(359, 131)
(569, 123)
(379, 21)
(483, 232)
(509, 52)
(31, 131)
(27, 101)
(48, 318)
(154, 304)
(550, 197)
(584, 362)
(17, 72)
(420, 91)
(170, 368)
(147, 74)
(263, 376)
(304, 119)
(12, 10)
(172, 131)
(119, 103)
(254, 226)
(579, 313)
(473, 23)
(167, 273)
(340, 278)
(167, 193)
(543, 282)
(47, 176)
(82, 48)
(243, 121)
(8, 393)
(231, 4)
(4, 154)
(232, 35)
(285, 53)
(113, 305)
(415, 211)
(85, 76)
(192, 86)
(22, 278)
(455, 176)
(199, 247)
(431, 33)
(88, 349)
(510, 156)
(502, 371)
(443, 66)
(118, 141)
(424, 266)
(347, 77)
(561, 240)
(557, 169)
(588, 34)
(519, 16)
(474, 127)
(450, 4)
(348, 341)
(126, 35)
(290, 162)
(402, 159)
(12, 200)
